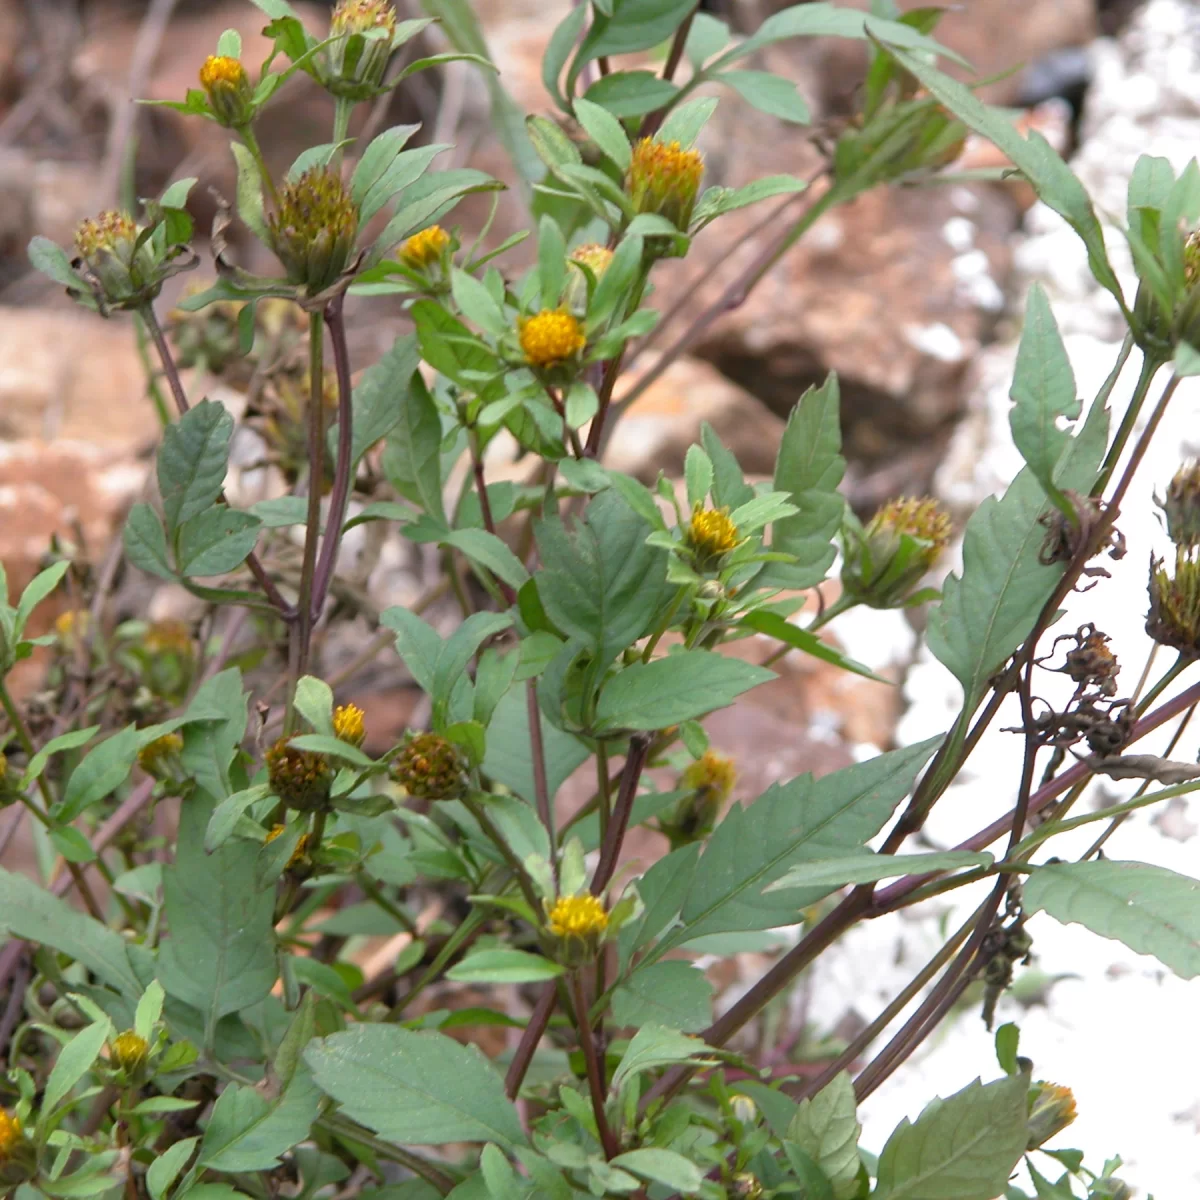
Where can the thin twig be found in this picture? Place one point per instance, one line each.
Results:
(539, 1020)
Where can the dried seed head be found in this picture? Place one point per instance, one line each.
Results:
(579, 917)
(711, 535)
(550, 337)
(664, 178)
(430, 767)
(424, 249)
(300, 778)
(1182, 506)
(229, 90)
(314, 230)
(708, 782)
(349, 725)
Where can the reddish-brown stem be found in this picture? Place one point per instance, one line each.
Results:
(674, 56)
(587, 1044)
(631, 773)
(539, 1019)
(541, 783)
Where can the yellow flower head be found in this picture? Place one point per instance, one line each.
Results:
(885, 560)
(711, 534)
(112, 232)
(300, 778)
(348, 724)
(220, 70)
(72, 625)
(711, 772)
(595, 257)
(129, 1051)
(1051, 1110)
(357, 16)
(577, 917)
(429, 767)
(169, 637)
(550, 337)
(425, 248)
(924, 519)
(11, 1133)
(314, 230)
(229, 90)
(664, 178)
(153, 755)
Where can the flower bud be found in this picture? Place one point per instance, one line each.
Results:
(886, 560)
(72, 628)
(314, 230)
(596, 259)
(355, 61)
(425, 249)
(1051, 1110)
(708, 782)
(348, 724)
(744, 1109)
(1182, 506)
(1174, 617)
(710, 536)
(161, 756)
(300, 778)
(551, 337)
(430, 768)
(578, 924)
(129, 1051)
(745, 1186)
(664, 178)
(121, 272)
(18, 1160)
(229, 90)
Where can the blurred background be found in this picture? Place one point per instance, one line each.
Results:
(913, 295)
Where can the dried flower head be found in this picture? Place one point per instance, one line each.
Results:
(129, 1051)
(300, 778)
(550, 337)
(578, 917)
(424, 249)
(349, 725)
(119, 271)
(1091, 662)
(711, 535)
(898, 546)
(664, 178)
(353, 64)
(1174, 617)
(430, 767)
(314, 230)
(156, 757)
(229, 90)
(1182, 505)
(1051, 1110)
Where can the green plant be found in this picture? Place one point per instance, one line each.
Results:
(180, 1039)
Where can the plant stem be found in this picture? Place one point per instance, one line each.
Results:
(604, 798)
(374, 893)
(541, 782)
(343, 478)
(610, 851)
(1149, 369)
(513, 863)
(1178, 667)
(301, 632)
(655, 119)
(539, 1020)
(592, 1063)
(170, 370)
(246, 133)
(156, 396)
(353, 1132)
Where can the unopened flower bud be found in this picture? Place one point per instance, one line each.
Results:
(349, 725)
(664, 178)
(229, 90)
(596, 259)
(119, 270)
(425, 249)
(430, 768)
(18, 1160)
(886, 559)
(355, 61)
(550, 338)
(1174, 617)
(710, 536)
(314, 230)
(708, 782)
(158, 757)
(1182, 506)
(1051, 1110)
(744, 1109)
(129, 1052)
(300, 778)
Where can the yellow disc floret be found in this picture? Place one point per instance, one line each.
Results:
(923, 518)
(129, 1050)
(229, 90)
(348, 724)
(1051, 1110)
(711, 533)
(550, 337)
(10, 1133)
(577, 917)
(425, 248)
(220, 70)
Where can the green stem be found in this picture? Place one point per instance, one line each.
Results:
(342, 108)
(1180, 665)
(1150, 367)
(458, 940)
(251, 143)
(374, 893)
(159, 400)
(652, 644)
(513, 863)
(442, 1183)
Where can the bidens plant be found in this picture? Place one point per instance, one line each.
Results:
(220, 1021)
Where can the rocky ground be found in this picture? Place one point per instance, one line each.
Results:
(914, 297)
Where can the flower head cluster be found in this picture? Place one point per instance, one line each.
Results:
(353, 64)
(300, 778)
(550, 337)
(1182, 506)
(349, 724)
(425, 249)
(430, 767)
(119, 270)
(664, 178)
(711, 535)
(1051, 1110)
(898, 546)
(229, 90)
(1174, 618)
(314, 229)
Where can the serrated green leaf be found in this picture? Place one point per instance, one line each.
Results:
(631, 93)
(246, 1132)
(653, 1046)
(665, 1167)
(826, 1128)
(417, 643)
(314, 702)
(769, 93)
(249, 193)
(51, 259)
(605, 130)
(1148, 908)
(961, 1148)
(673, 994)
(868, 867)
(192, 461)
(167, 1165)
(421, 1089)
(509, 759)
(773, 625)
(489, 551)
(216, 541)
(380, 397)
(634, 25)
